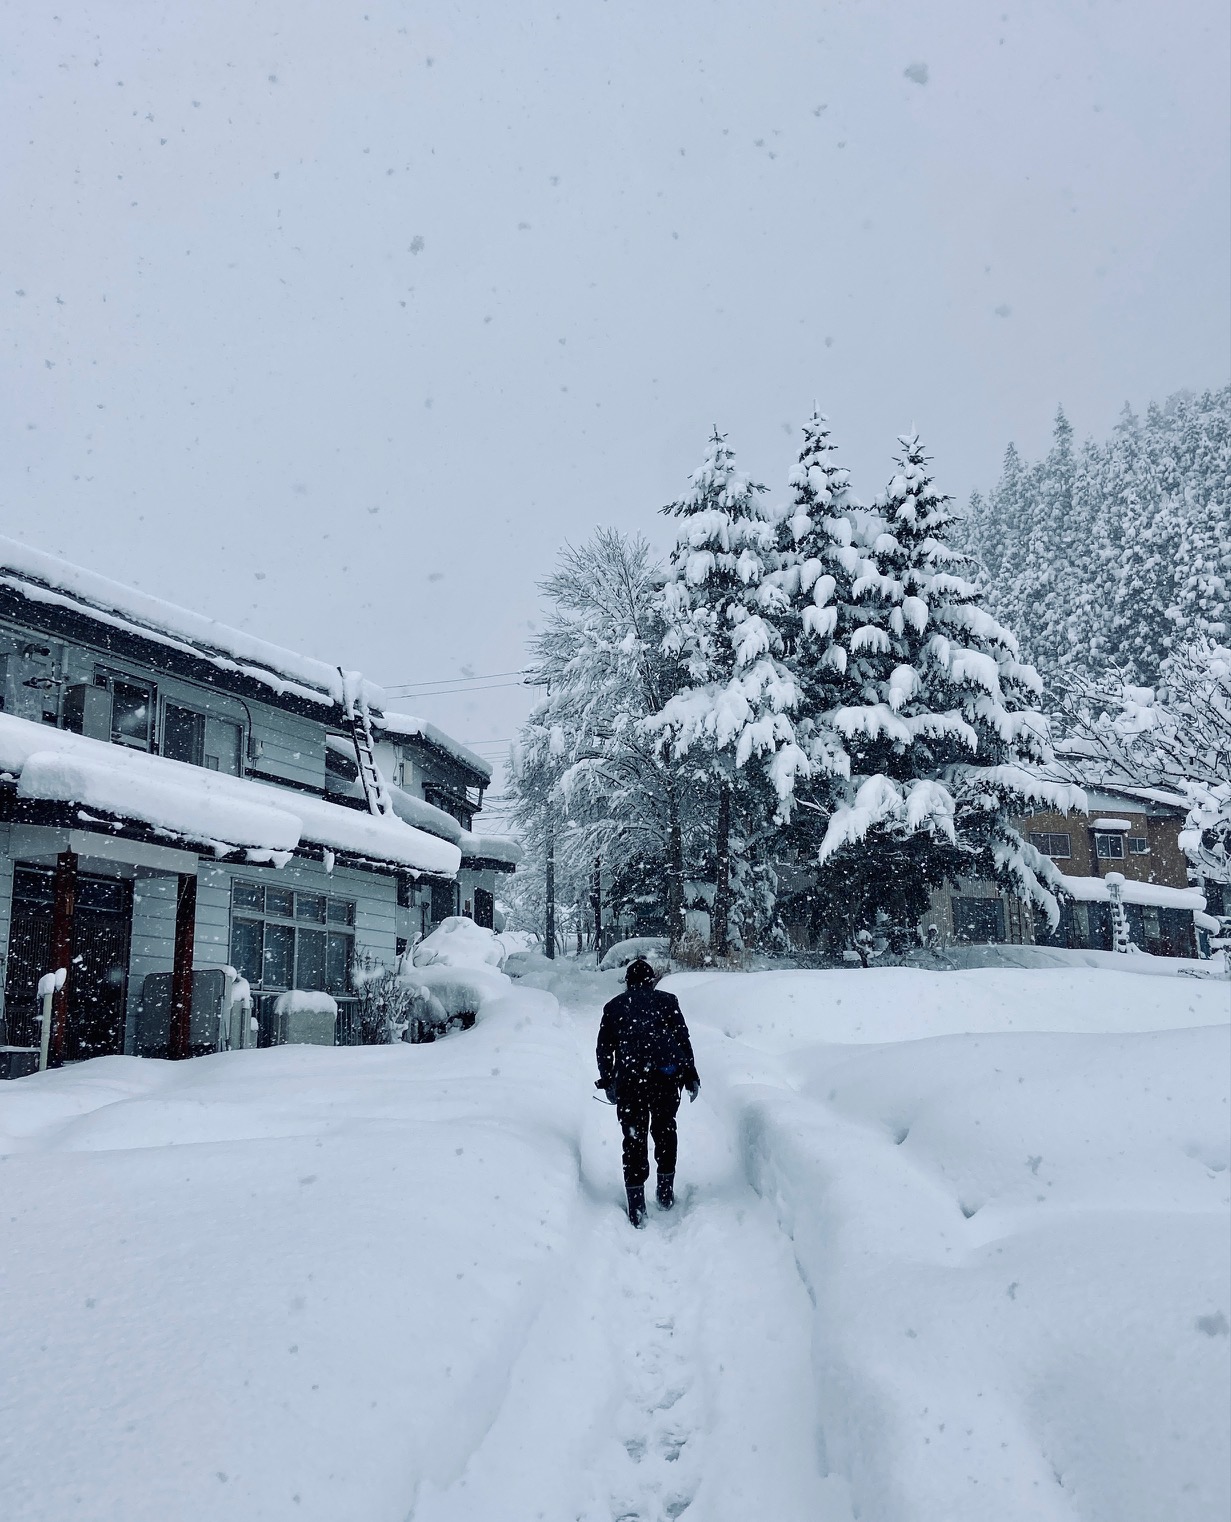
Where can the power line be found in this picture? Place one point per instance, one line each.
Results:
(451, 691)
(452, 681)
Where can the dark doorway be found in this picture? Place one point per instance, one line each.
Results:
(97, 989)
(484, 909)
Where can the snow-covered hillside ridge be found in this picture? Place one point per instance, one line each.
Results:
(950, 1247)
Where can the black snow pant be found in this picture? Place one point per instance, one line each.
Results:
(647, 1108)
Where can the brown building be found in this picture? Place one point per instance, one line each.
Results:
(1130, 832)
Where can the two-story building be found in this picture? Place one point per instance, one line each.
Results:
(1130, 832)
(180, 803)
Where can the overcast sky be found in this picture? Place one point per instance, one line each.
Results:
(334, 320)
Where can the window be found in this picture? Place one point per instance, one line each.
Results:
(1109, 847)
(276, 943)
(978, 919)
(132, 709)
(1138, 845)
(444, 901)
(456, 805)
(201, 740)
(1059, 847)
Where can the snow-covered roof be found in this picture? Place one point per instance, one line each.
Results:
(1095, 890)
(46, 579)
(403, 726)
(426, 816)
(203, 806)
(490, 848)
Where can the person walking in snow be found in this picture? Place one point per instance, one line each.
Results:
(645, 1061)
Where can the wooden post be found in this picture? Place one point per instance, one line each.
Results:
(64, 904)
(179, 1044)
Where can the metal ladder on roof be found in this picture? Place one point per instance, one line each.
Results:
(360, 721)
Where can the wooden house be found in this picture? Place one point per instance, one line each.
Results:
(181, 806)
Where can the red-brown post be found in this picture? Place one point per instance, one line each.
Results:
(65, 901)
(180, 1042)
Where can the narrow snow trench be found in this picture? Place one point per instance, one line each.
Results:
(668, 1373)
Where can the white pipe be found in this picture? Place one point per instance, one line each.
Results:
(49, 986)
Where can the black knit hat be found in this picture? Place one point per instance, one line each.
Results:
(639, 974)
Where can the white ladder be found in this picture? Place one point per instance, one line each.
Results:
(360, 721)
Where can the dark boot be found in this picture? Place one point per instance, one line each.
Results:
(666, 1190)
(636, 1204)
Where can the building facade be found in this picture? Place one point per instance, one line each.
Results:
(180, 808)
(1126, 833)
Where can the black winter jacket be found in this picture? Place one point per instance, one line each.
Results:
(643, 1039)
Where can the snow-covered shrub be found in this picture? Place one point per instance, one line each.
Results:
(383, 1006)
(459, 942)
(442, 995)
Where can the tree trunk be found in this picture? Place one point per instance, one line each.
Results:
(596, 900)
(550, 937)
(722, 873)
(675, 870)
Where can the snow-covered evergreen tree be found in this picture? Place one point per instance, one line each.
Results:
(942, 734)
(731, 715)
(1107, 558)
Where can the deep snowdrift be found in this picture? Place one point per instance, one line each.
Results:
(951, 1246)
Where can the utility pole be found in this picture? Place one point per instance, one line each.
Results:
(550, 948)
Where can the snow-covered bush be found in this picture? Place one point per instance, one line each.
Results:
(459, 942)
(383, 1003)
(440, 995)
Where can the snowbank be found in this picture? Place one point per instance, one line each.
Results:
(1017, 1248)
(459, 942)
(782, 1011)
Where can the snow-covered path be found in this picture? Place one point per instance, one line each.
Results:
(669, 1370)
(949, 1247)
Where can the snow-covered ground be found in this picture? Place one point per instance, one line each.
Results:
(951, 1246)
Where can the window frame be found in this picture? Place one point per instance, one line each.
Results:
(108, 677)
(1109, 838)
(1138, 845)
(204, 720)
(331, 929)
(1044, 841)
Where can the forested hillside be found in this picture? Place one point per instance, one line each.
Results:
(1113, 554)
